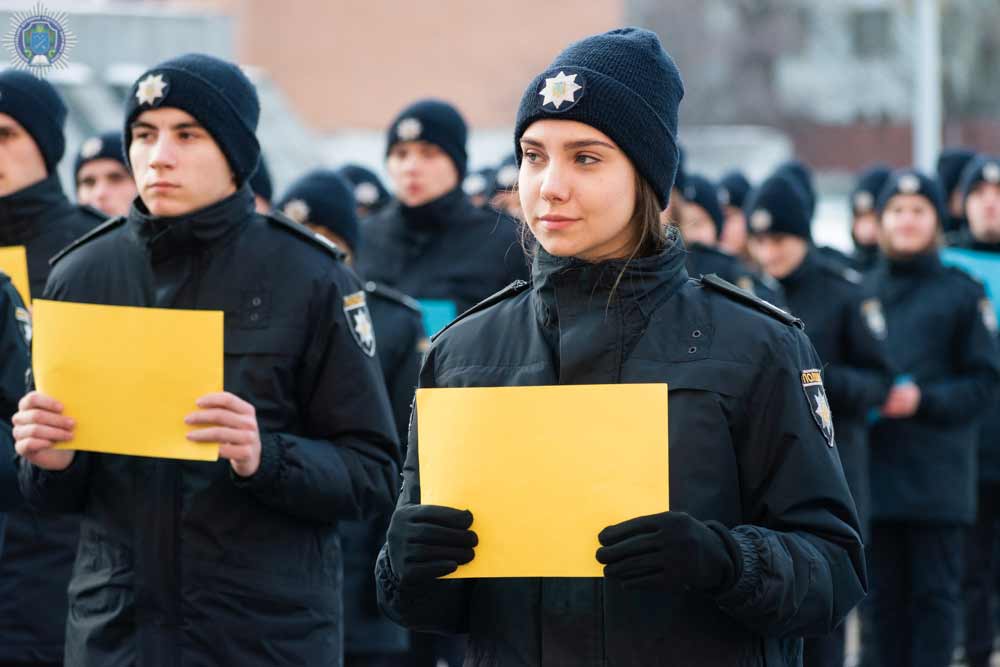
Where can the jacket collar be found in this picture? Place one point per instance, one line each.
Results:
(22, 213)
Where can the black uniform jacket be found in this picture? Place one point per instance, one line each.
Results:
(746, 449)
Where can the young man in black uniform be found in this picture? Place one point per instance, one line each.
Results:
(431, 242)
(980, 187)
(35, 213)
(324, 202)
(848, 330)
(232, 562)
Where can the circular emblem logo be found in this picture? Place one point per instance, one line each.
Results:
(761, 220)
(409, 129)
(38, 40)
(563, 91)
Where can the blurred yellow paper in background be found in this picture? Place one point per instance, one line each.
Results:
(543, 469)
(129, 376)
(14, 262)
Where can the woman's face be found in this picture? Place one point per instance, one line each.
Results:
(577, 190)
(420, 172)
(909, 225)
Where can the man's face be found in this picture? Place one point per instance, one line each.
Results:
(177, 165)
(21, 163)
(778, 254)
(106, 185)
(982, 210)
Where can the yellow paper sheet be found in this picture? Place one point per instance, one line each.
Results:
(129, 376)
(14, 262)
(543, 469)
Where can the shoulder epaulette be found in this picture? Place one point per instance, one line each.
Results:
(100, 230)
(281, 220)
(507, 292)
(717, 284)
(393, 295)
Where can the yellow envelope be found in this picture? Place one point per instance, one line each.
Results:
(14, 262)
(543, 469)
(129, 376)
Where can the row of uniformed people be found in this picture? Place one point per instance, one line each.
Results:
(933, 380)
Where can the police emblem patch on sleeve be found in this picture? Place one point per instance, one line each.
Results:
(989, 315)
(819, 406)
(871, 309)
(23, 318)
(359, 322)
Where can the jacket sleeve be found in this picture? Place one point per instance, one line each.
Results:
(442, 605)
(803, 566)
(860, 380)
(966, 394)
(344, 463)
(402, 379)
(14, 355)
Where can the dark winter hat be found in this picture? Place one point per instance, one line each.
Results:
(622, 83)
(106, 146)
(913, 182)
(779, 206)
(368, 189)
(800, 172)
(868, 188)
(323, 197)
(217, 93)
(506, 175)
(480, 182)
(40, 110)
(983, 169)
(260, 182)
(436, 122)
(733, 189)
(950, 165)
(703, 192)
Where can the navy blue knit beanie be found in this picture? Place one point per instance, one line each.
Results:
(868, 188)
(106, 146)
(701, 191)
(260, 182)
(323, 197)
(950, 166)
(217, 93)
(435, 122)
(779, 206)
(913, 182)
(802, 175)
(733, 189)
(983, 169)
(39, 108)
(622, 83)
(368, 189)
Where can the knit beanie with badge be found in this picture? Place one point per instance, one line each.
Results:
(368, 189)
(868, 188)
(733, 189)
(779, 206)
(622, 83)
(913, 182)
(39, 108)
(983, 169)
(216, 92)
(325, 198)
(951, 165)
(435, 122)
(702, 192)
(106, 146)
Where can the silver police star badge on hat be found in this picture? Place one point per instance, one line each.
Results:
(909, 184)
(507, 176)
(366, 193)
(91, 147)
(474, 184)
(297, 210)
(991, 172)
(761, 220)
(150, 89)
(864, 202)
(560, 89)
(409, 129)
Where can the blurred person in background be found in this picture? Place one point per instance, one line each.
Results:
(103, 180)
(950, 165)
(369, 192)
(733, 190)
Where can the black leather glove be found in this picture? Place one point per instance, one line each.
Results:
(672, 550)
(426, 542)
